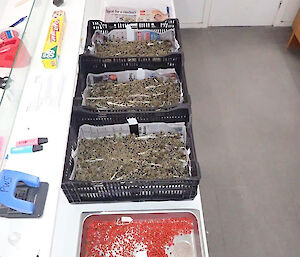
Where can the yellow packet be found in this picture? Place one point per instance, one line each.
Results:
(53, 43)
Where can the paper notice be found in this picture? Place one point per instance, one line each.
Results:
(125, 14)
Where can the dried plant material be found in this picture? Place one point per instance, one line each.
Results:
(150, 92)
(154, 156)
(134, 48)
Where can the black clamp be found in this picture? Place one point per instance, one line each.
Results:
(133, 126)
(3, 81)
(58, 2)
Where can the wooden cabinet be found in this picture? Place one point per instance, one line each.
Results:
(295, 38)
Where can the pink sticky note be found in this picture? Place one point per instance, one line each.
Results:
(1, 145)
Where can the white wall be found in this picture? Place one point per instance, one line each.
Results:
(203, 13)
(192, 13)
(243, 12)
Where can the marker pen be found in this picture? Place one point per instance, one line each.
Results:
(34, 141)
(18, 21)
(168, 11)
(26, 149)
(1, 145)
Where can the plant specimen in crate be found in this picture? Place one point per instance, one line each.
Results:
(153, 156)
(149, 92)
(120, 48)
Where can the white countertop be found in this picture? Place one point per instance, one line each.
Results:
(48, 235)
(11, 12)
(36, 235)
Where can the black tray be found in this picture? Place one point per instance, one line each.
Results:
(91, 63)
(106, 27)
(97, 67)
(127, 190)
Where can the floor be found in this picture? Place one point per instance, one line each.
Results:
(245, 89)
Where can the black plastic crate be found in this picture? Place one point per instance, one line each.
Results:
(106, 27)
(134, 190)
(97, 67)
(92, 64)
(111, 63)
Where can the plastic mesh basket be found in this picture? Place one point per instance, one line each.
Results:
(92, 64)
(98, 67)
(106, 27)
(127, 190)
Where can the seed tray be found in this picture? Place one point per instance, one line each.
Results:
(126, 190)
(133, 89)
(97, 66)
(90, 63)
(112, 153)
(130, 76)
(176, 234)
(107, 27)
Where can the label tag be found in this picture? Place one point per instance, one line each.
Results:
(141, 254)
(130, 33)
(132, 121)
(140, 74)
(126, 219)
(133, 126)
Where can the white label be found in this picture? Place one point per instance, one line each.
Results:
(126, 219)
(140, 74)
(132, 121)
(130, 33)
(141, 254)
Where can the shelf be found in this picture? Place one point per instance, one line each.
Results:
(10, 97)
(37, 120)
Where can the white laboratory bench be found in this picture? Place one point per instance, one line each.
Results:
(56, 233)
